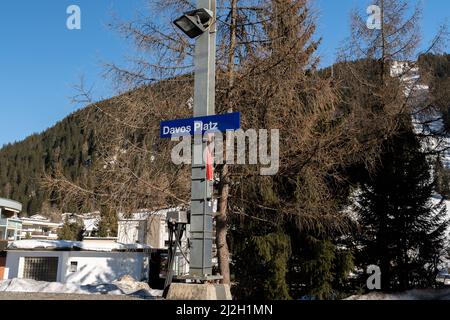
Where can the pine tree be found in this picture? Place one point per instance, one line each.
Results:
(71, 230)
(442, 176)
(107, 226)
(402, 229)
(262, 264)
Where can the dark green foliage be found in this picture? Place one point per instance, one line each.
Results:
(269, 263)
(438, 65)
(442, 176)
(107, 226)
(436, 68)
(261, 266)
(403, 232)
(71, 231)
(68, 145)
(318, 268)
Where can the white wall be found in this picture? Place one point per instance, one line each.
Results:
(135, 231)
(92, 268)
(131, 231)
(105, 267)
(15, 261)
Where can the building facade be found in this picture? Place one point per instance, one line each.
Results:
(10, 224)
(73, 263)
(150, 228)
(144, 227)
(39, 227)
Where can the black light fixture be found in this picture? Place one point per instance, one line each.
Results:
(195, 23)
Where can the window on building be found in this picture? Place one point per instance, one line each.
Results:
(73, 266)
(40, 268)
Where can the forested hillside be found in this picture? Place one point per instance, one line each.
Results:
(437, 69)
(354, 185)
(70, 144)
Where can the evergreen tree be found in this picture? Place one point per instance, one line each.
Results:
(71, 231)
(107, 226)
(318, 268)
(402, 229)
(442, 176)
(262, 265)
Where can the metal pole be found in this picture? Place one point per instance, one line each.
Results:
(201, 198)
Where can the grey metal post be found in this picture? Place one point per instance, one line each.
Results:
(204, 105)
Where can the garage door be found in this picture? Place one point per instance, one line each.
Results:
(41, 268)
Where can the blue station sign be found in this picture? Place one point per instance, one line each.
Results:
(200, 125)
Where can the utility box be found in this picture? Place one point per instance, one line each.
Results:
(181, 217)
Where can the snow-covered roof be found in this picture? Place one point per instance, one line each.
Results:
(145, 214)
(38, 217)
(88, 215)
(73, 245)
(31, 222)
(40, 220)
(10, 205)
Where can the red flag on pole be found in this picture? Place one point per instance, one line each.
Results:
(209, 161)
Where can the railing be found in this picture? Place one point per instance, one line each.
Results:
(11, 223)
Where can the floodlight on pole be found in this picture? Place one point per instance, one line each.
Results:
(201, 25)
(195, 23)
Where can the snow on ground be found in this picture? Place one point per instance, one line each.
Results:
(125, 286)
(62, 244)
(416, 294)
(437, 198)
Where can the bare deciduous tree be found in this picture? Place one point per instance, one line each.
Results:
(267, 70)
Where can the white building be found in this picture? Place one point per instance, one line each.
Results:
(150, 228)
(39, 227)
(10, 224)
(145, 227)
(76, 262)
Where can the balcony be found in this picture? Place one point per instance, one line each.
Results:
(11, 223)
(10, 229)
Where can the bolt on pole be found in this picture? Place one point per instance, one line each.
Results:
(201, 227)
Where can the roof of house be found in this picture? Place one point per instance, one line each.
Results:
(38, 217)
(145, 214)
(10, 205)
(31, 221)
(62, 245)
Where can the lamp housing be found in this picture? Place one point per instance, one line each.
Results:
(195, 23)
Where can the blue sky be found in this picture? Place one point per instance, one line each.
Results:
(41, 60)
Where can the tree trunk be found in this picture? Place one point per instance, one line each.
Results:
(223, 253)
